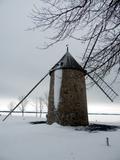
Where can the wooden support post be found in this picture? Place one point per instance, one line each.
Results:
(107, 141)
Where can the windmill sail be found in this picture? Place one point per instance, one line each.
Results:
(106, 89)
(96, 40)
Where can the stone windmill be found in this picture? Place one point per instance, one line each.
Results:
(67, 104)
(67, 96)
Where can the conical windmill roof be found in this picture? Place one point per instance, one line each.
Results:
(67, 62)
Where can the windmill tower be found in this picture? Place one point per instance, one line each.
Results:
(67, 104)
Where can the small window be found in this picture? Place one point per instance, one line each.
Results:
(61, 63)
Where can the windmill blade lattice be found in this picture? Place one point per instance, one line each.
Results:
(106, 89)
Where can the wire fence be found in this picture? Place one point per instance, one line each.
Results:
(93, 117)
(45, 112)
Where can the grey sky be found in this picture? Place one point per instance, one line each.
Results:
(21, 64)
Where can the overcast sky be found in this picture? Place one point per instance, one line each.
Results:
(21, 63)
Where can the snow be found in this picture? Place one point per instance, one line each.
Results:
(57, 86)
(19, 140)
(103, 119)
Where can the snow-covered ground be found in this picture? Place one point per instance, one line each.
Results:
(20, 140)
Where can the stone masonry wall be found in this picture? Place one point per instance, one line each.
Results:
(72, 108)
(51, 116)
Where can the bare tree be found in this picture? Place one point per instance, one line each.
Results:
(11, 106)
(45, 99)
(22, 105)
(43, 102)
(36, 106)
(99, 20)
(40, 105)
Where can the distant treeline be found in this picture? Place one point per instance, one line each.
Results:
(21, 112)
(104, 114)
(46, 113)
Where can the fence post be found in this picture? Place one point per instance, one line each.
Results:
(107, 141)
